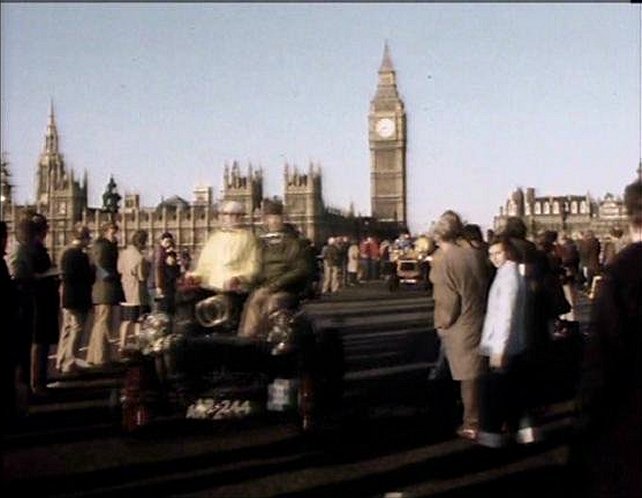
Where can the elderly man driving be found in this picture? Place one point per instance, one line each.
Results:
(229, 260)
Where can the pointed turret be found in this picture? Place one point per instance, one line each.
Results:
(51, 137)
(386, 93)
(386, 62)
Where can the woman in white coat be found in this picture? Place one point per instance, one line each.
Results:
(503, 342)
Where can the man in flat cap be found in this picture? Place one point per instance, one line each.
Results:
(229, 260)
(284, 271)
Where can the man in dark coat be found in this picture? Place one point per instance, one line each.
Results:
(284, 271)
(589, 258)
(77, 279)
(166, 272)
(534, 266)
(607, 453)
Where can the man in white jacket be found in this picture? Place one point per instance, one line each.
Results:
(229, 261)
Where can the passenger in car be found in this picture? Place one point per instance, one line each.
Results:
(284, 272)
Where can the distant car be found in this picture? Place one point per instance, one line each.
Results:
(409, 272)
(196, 366)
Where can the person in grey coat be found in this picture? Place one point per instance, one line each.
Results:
(459, 275)
(107, 292)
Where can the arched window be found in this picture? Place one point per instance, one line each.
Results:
(556, 207)
(538, 208)
(547, 208)
(574, 207)
(583, 207)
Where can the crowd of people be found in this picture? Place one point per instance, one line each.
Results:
(347, 262)
(77, 301)
(495, 323)
(497, 303)
(97, 293)
(496, 320)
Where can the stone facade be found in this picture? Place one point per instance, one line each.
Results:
(63, 199)
(572, 213)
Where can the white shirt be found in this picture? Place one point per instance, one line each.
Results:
(228, 253)
(504, 330)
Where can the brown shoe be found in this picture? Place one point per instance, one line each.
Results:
(467, 433)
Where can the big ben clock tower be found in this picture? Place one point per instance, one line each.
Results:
(387, 137)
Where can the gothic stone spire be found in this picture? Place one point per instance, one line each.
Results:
(386, 62)
(51, 136)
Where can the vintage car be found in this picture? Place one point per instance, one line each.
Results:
(196, 366)
(409, 271)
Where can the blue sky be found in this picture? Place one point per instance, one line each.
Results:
(163, 95)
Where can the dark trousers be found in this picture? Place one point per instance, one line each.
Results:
(39, 364)
(503, 396)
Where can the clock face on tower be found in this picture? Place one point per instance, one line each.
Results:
(385, 127)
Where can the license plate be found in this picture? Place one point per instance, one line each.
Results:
(220, 409)
(282, 395)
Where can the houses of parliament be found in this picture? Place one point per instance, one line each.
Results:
(62, 196)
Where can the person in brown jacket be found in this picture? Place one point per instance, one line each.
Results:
(107, 292)
(459, 275)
